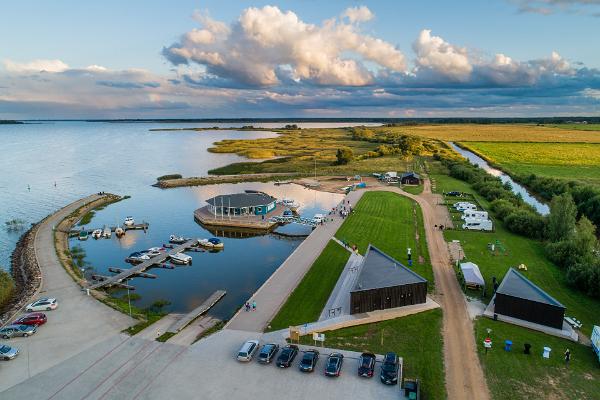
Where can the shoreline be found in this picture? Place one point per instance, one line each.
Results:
(218, 179)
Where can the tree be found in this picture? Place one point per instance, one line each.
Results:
(6, 286)
(344, 155)
(562, 218)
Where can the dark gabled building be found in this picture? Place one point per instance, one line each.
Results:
(250, 202)
(410, 178)
(385, 283)
(520, 298)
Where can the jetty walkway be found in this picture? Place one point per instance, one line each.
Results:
(271, 296)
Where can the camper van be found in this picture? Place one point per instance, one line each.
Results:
(478, 224)
(465, 206)
(474, 214)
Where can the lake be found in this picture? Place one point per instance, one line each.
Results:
(48, 165)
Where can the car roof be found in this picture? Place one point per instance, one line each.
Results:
(391, 356)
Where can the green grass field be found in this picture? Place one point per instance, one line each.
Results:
(387, 220)
(574, 161)
(515, 375)
(308, 299)
(577, 127)
(415, 338)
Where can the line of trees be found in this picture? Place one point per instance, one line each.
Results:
(7, 286)
(569, 235)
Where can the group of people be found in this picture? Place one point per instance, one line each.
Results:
(343, 209)
(250, 306)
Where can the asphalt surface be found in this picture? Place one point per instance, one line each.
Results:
(78, 323)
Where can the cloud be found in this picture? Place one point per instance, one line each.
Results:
(36, 66)
(549, 7)
(441, 57)
(266, 45)
(358, 14)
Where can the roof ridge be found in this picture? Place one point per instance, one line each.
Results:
(396, 262)
(531, 285)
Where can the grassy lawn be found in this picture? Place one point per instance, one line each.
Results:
(416, 338)
(418, 189)
(387, 220)
(573, 161)
(308, 299)
(518, 250)
(514, 375)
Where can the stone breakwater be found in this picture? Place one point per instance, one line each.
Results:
(26, 273)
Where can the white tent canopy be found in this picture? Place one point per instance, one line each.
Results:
(472, 274)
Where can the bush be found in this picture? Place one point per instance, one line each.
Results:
(7, 286)
(526, 223)
(170, 176)
(344, 155)
(502, 208)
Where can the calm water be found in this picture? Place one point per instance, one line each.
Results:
(63, 161)
(516, 188)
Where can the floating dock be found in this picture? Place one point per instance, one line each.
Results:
(140, 268)
(195, 313)
(143, 226)
(256, 222)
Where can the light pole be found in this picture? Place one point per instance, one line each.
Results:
(128, 298)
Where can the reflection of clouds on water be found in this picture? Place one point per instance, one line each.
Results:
(128, 240)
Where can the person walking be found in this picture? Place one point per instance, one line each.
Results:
(567, 357)
(247, 306)
(253, 305)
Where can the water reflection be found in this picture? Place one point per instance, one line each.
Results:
(516, 188)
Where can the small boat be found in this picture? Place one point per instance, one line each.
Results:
(154, 251)
(213, 243)
(137, 258)
(119, 231)
(97, 233)
(129, 221)
(106, 232)
(180, 258)
(287, 214)
(177, 239)
(83, 235)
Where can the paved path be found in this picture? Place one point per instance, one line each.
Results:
(78, 323)
(271, 296)
(338, 303)
(464, 375)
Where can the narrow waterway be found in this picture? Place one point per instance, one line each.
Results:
(516, 188)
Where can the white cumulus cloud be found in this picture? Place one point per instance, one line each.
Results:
(358, 14)
(36, 66)
(435, 53)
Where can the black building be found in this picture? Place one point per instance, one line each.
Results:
(410, 178)
(385, 283)
(518, 297)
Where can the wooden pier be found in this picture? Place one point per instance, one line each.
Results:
(143, 226)
(195, 313)
(140, 268)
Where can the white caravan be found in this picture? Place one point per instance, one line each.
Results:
(478, 225)
(474, 214)
(465, 207)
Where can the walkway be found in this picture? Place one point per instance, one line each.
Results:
(79, 322)
(338, 303)
(271, 296)
(464, 375)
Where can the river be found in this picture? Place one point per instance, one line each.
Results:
(516, 187)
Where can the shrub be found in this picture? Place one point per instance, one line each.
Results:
(526, 223)
(170, 176)
(7, 286)
(344, 155)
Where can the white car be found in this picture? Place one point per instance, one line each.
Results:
(45, 304)
(247, 350)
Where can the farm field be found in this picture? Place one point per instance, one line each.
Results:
(416, 338)
(573, 161)
(515, 375)
(517, 250)
(578, 127)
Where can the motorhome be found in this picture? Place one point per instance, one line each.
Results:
(478, 225)
(474, 214)
(465, 206)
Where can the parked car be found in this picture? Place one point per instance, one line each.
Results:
(267, 352)
(309, 361)
(334, 364)
(17, 330)
(247, 350)
(44, 304)
(366, 365)
(410, 386)
(454, 194)
(389, 369)
(36, 318)
(287, 355)
(7, 352)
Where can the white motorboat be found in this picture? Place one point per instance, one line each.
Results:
(180, 258)
(212, 243)
(97, 233)
(154, 251)
(129, 221)
(106, 232)
(119, 231)
(177, 239)
(137, 257)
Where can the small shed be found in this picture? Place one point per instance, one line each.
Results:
(472, 275)
(410, 178)
(385, 283)
(250, 202)
(520, 298)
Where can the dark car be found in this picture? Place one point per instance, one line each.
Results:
(411, 389)
(366, 365)
(17, 330)
(309, 361)
(389, 369)
(287, 355)
(267, 352)
(454, 194)
(36, 318)
(334, 364)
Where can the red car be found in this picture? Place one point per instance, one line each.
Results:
(36, 318)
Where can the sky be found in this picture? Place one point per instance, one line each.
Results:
(253, 59)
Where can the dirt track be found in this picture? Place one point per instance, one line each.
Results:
(464, 375)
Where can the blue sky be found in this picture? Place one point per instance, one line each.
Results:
(118, 59)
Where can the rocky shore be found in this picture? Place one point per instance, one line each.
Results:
(26, 274)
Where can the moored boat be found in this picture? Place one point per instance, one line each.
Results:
(119, 231)
(106, 232)
(137, 257)
(97, 233)
(177, 239)
(180, 258)
(129, 221)
(83, 235)
(212, 243)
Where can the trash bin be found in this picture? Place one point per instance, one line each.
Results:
(507, 345)
(546, 353)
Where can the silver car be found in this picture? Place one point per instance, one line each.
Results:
(7, 352)
(17, 330)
